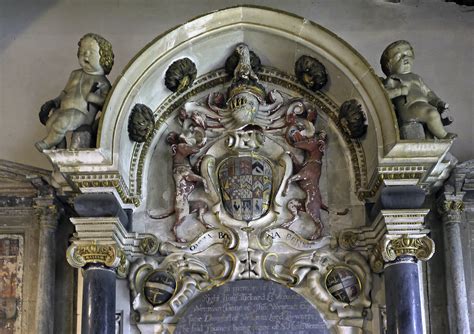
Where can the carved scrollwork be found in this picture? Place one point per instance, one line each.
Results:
(350, 303)
(321, 269)
(246, 140)
(149, 245)
(376, 260)
(299, 267)
(347, 240)
(161, 289)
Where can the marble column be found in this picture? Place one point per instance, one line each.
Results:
(98, 303)
(402, 288)
(451, 207)
(402, 296)
(98, 249)
(101, 261)
(404, 243)
(48, 221)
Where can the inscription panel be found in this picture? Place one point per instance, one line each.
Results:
(251, 307)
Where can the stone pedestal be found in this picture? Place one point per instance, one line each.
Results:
(412, 130)
(98, 249)
(98, 302)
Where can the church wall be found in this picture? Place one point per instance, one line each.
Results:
(38, 49)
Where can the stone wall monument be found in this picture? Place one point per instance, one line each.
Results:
(250, 149)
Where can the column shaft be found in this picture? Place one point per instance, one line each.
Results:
(98, 303)
(403, 298)
(46, 278)
(458, 308)
(48, 222)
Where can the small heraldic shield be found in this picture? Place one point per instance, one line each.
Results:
(159, 287)
(343, 284)
(246, 187)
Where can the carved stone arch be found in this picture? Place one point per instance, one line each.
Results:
(186, 130)
(350, 77)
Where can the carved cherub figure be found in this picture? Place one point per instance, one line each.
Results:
(84, 94)
(413, 100)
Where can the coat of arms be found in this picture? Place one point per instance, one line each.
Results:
(246, 186)
(245, 150)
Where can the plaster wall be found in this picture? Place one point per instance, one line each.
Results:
(38, 49)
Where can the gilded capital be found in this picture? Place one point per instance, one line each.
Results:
(451, 209)
(78, 255)
(389, 249)
(451, 205)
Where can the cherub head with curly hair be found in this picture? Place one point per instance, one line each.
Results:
(106, 53)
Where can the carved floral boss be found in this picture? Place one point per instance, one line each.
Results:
(247, 179)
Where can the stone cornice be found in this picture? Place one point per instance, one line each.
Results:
(394, 234)
(394, 223)
(22, 181)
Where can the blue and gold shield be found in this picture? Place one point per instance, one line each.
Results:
(246, 187)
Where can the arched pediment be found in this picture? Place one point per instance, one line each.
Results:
(279, 39)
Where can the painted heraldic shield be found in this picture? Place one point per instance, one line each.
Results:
(246, 187)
